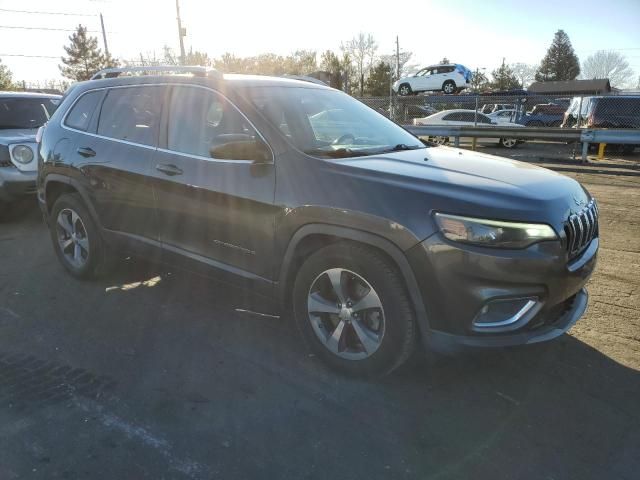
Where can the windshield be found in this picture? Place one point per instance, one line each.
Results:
(328, 123)
(26, 112)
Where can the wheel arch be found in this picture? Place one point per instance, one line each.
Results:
(57, 185)
(310, 237)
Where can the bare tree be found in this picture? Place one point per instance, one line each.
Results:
(362, 51)
(525, 73)
(405, 66)
(608, 64)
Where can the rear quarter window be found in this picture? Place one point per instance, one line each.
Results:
(82, 110)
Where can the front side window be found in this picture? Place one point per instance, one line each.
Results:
(131, 114)
(80, 114)
(329, 123)
(200, 119)
(16, 112)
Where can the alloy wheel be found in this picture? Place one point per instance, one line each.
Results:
(72, 238)
(346, 314)
(509, 142)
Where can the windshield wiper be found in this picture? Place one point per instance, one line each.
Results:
(338, 153)
(400, 147)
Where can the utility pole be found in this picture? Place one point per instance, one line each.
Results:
(181, 33)
(397, 58)
(104, 36)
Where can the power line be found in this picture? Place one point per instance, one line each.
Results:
(46, 29)
(37, 12)
(25, 56)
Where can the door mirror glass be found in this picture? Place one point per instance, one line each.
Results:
(239, 146)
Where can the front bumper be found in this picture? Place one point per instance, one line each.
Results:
(15, 183)
(445, 342)
(457, 282)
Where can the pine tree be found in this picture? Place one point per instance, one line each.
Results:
(84, 57)
(560, 62)
(504, 78)
(379, 80)
(6, 78)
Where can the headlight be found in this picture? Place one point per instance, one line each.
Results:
(22, 154)
(493, 233)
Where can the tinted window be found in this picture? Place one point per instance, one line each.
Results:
(453, 117)
(618, 106)
(16, 112)
(481, 118)
(131, 114)
(199, 118)
(82, 111)
(469, 116)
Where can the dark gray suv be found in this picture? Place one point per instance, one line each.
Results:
(320, 205)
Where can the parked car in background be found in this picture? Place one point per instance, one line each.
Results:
(488, 108)
(21, 114)
(467, 118)
(502, 117)
(543, 115)
(614, 111)
(449, 78)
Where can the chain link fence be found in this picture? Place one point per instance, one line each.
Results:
(589, 111)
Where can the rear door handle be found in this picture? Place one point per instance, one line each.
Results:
(169, 169)
(87, 152)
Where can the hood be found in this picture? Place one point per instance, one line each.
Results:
(460, 181)
(17, 135)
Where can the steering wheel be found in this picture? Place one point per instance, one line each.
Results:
(343, 138)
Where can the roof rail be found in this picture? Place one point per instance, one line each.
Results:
(306, 78)
(158, 70)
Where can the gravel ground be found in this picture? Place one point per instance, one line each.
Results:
(153, 374)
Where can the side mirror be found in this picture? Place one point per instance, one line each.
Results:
(240, 147)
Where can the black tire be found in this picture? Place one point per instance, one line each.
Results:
(405, 90)
(449, 87)
(400, 330)
(508, 143)
(98, 260)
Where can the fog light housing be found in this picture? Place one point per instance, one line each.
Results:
(506, 314)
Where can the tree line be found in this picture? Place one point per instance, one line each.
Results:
(359, 68)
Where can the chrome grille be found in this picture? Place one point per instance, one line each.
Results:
(581, 228)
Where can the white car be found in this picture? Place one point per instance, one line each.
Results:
(449, 78)
(503, 117)
(466, 118)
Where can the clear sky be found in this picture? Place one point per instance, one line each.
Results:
(475, 33)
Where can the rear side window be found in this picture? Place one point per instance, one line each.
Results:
(131, 114)
(454, 117)
(80, 115)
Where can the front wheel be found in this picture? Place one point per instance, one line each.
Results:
(449, 87)
(508, 142)
(352, 309)
(439, 140)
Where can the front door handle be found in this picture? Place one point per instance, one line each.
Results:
(87, 152)
(169, 169)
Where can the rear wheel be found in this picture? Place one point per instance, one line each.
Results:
(405, 89)
(352, 309)
(76, 239)
(508, 142)
(449, 87)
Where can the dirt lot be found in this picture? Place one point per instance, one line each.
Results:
(153, 374)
